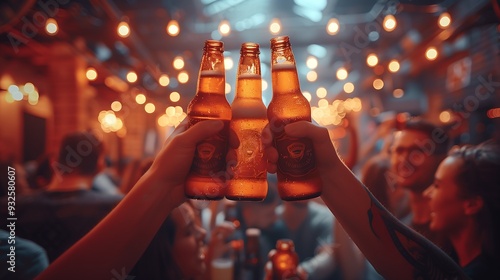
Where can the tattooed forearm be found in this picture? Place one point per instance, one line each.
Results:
(426, 259)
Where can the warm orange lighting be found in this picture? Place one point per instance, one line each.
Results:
(131, 77)
(175, 96)
(116, 106)
(321, 92)
(332, 27)
(312, 62)
(493, 113)
(29, 88)
(173, 28)
(91, 74)
(348, 87)
(140, 98)
(398, 93)
(275, 26)
(323, 103)
(444, 20)
(163, 120)
(178, 62)
(183, 77)
(431, 53)
(390, 23)
(445, 116)
(312, 76)
(228, 63)
(342, 73)
(51, 26)
(149, 108)
(123, 29)
(378, 84)
(372, 60)
(394, 66)
(224, 28)
(164, 80)
(170, 111)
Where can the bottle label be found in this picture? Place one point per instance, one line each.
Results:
(210, 154)
(296, 155)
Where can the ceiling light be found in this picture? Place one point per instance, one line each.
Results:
(275, 26)
(123, 29)
(173, 28)
(390, 23)
(332, 27)
(444, 20)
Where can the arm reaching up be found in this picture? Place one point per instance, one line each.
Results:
(396, 251)
(113, 247)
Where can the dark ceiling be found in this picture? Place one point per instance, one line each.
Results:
(90, 27)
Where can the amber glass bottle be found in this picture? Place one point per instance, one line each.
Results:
(285, 260)
(298, 177)
(249, 117)
(207, 176)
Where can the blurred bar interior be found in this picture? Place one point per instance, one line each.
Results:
(128, 69)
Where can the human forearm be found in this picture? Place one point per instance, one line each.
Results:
(116, 243)
(395, 251)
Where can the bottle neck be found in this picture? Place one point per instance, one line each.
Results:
(248, 79)
(284, 71)
(212, 75)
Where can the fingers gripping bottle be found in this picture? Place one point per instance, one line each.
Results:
(249, 117)
(298, 177)
(207, 176)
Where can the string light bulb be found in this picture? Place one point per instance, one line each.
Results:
(51, 26)
(333, 26)
(275, 26)
(123, 29)
(444, 20)
(173, 28)
(390, 23)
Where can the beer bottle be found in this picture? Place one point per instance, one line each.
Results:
(253, 264)
(298, 177)
(207, 176)
(249, 118)
(284, 261)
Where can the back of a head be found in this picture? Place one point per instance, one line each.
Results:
(79, 153)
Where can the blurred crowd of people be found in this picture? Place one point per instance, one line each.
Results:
(448, 194)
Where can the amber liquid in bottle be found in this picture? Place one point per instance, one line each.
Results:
(207, 177)
(249, 117)
(298, 176)
(285, 260)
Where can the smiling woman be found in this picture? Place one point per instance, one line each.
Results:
(464, 203)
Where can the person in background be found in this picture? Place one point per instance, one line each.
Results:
(29, 258)
(107, 180)
(309, 225)
(464, 204)
(395, 251)
(58, 216)
(263, 215)
(415, 154)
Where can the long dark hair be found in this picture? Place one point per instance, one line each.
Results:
(479, 176)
